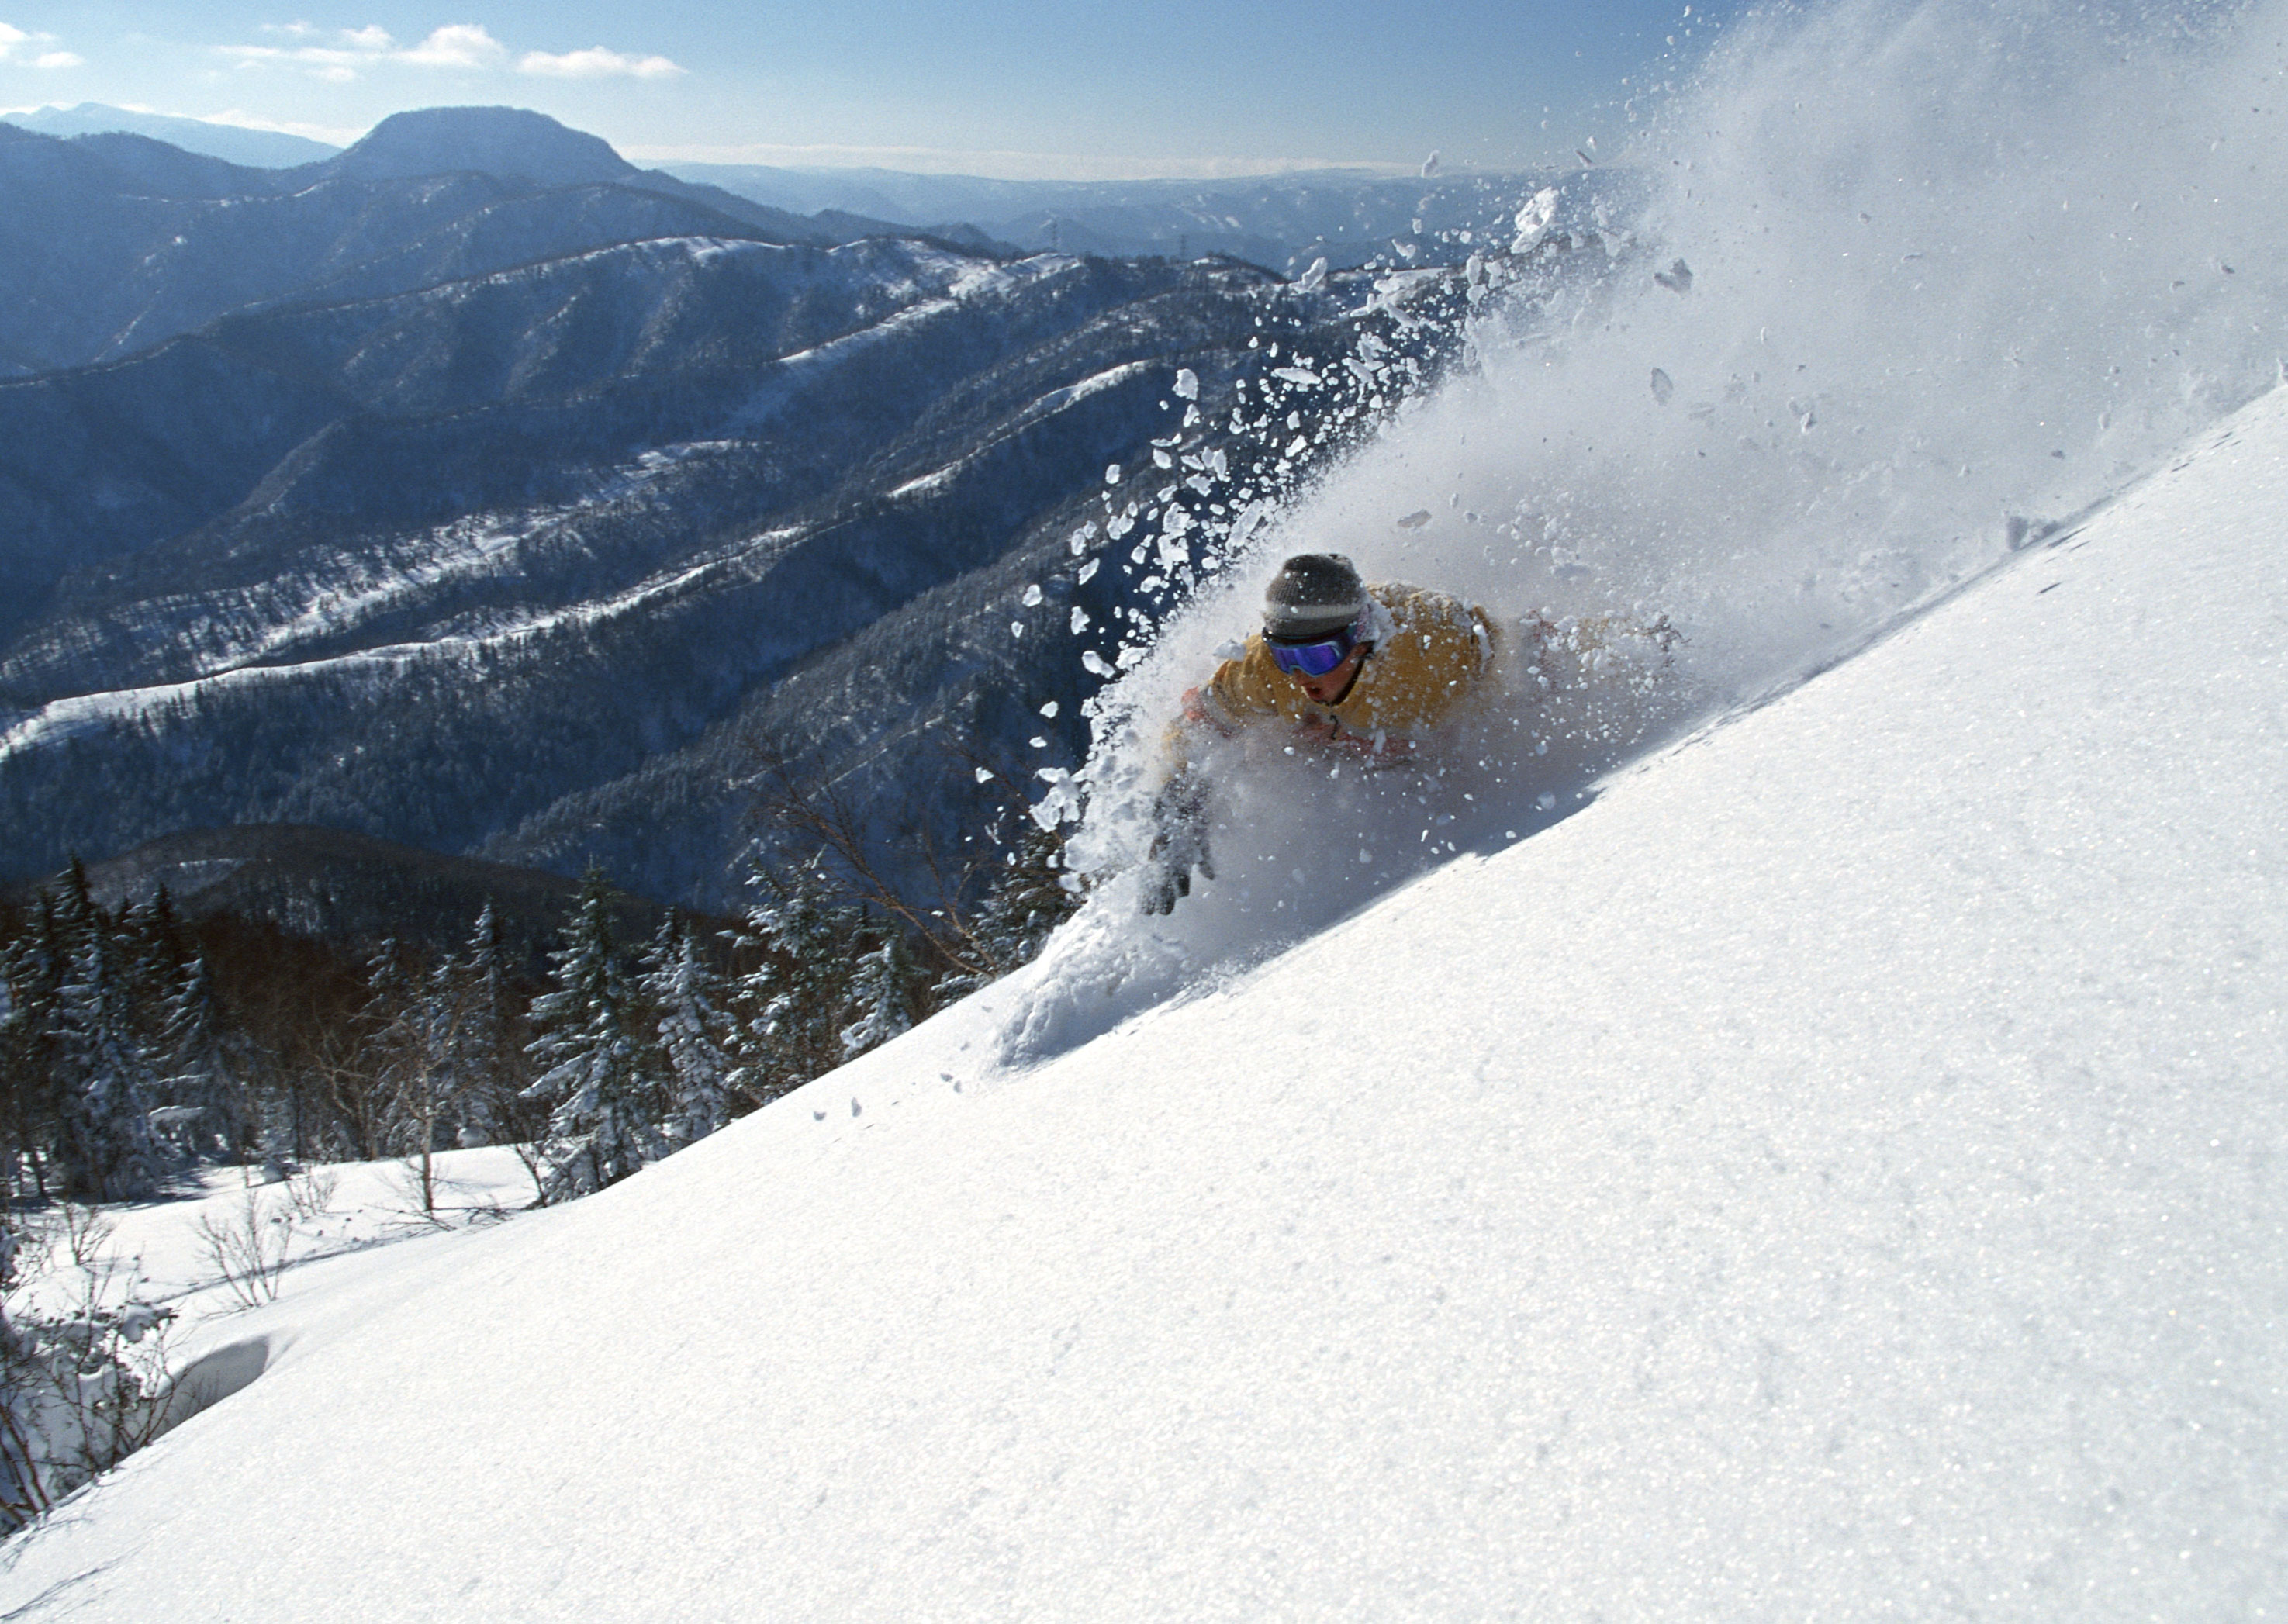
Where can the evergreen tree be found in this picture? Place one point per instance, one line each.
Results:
(425, 1065)
(799, 995)
(105, 1145)
(882, 991)
(597, 1071)
(203, 1069)
(1030, 897)
(489, 1051)
(697, 1038)
(76, 910)
(34, 967)
(154, 957)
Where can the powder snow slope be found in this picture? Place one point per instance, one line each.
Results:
(1836, 1174)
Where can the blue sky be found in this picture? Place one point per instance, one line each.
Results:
(1083, 88)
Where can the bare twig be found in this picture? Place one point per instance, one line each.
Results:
(249, 1248)
(311, 1194)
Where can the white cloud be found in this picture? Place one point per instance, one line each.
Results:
(13, 38)
(596, 62)
(456, 45)
(462, 45)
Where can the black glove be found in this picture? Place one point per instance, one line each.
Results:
(1180, 844)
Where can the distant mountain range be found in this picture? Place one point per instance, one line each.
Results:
(112, 243)
(475, 490)
(1348, 218)
(256, 148)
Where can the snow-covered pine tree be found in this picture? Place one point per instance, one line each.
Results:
(799, 995)
(105, 1148)
(154, 957)
(597, 1071)
(34, 967)
(430, 1079)
(488, 1048)
(882, 991)
(1029, 897)
(204, 1071)
(697, 1038)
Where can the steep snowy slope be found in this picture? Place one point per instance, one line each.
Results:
(1834, 1174)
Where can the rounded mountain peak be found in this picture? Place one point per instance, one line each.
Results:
(506, 141)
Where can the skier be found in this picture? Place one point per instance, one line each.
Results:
(1369, 672)
(1378, 671)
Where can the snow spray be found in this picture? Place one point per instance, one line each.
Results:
(1904, 288)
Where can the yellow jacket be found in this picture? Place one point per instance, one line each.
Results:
(1430, 654)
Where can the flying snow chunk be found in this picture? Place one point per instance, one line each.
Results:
(1429, 166)
(1662, 386)
(1112, 474)
(1188, 384)
(1534, 220)
(1032, 598)
(1050, 709)
(1296, 375)
(1094, 664)
(1415, 520)
(1314, 279)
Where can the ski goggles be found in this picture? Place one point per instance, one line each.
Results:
(1316, 658)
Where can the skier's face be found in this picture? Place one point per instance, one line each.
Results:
(1327, 689)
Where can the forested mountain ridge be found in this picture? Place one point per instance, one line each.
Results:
(542, 562)
(112, 243)
(475, 565)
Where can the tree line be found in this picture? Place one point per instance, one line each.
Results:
(134, 1044)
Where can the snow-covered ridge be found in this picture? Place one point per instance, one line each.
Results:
(969, 280)
(1831, 1175)
(263, 624)
(60, 720)
(1047, 406)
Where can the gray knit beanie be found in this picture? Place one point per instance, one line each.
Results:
(1313, 595)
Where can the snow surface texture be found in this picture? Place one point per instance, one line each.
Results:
(1835, 1174)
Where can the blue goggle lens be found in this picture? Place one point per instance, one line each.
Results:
(1312, 659)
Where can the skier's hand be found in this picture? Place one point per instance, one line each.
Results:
(1179, 844)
